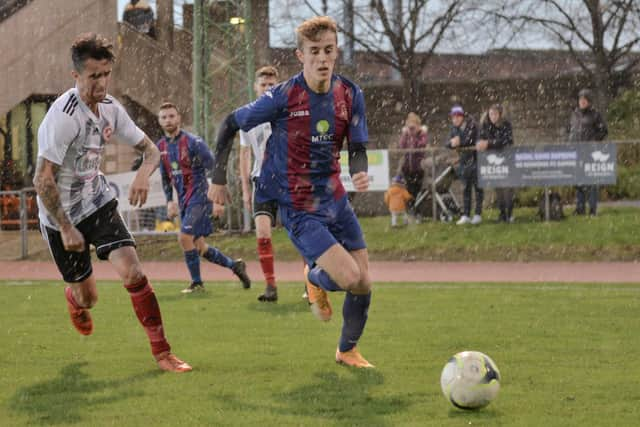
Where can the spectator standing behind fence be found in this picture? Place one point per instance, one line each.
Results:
(463, 137)
(396, 198)
(413, 138)
(496, 133)
(139, 15)
(586, 124)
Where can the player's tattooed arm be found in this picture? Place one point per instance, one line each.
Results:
(45, 184)
(139, 188)
(151, 155)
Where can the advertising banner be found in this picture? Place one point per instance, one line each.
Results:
(548, 165)
(119, 183)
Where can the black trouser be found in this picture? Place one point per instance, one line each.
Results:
(470, 182)
(504, 197)
(582, 193)
(414, 185)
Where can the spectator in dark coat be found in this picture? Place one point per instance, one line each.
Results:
(139, 15)
(463, 138)
(496, 134)
(586, 124)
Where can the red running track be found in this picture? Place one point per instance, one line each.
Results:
(383, 271)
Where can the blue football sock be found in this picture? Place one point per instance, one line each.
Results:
(320, 278)
(193, 264)
(215, 256)
(355, 312)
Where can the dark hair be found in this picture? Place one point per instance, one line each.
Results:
(90, 45)
(498, 108)
(267, 71)
(168, 104)
(586, 93)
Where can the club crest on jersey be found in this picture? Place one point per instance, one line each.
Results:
(341, 110)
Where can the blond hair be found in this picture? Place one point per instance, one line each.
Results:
(313, 27)
(413, 118)
(267, 71)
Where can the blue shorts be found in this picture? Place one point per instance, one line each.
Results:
(314, 233)
(196, 220)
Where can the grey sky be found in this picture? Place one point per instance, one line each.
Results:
(287, 13)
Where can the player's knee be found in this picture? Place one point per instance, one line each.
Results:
(185, 240)
(134, 274)
(363, 287)
(351, 278)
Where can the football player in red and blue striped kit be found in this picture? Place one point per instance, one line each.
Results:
(184, 162)
(311, 115)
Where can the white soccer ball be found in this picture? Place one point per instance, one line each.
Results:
(470, 380)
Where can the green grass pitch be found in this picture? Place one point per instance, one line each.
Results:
(567, 353)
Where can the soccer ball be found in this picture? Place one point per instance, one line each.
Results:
(470, 380)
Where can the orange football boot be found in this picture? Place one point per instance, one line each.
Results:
(352, 358)
(318, 299)
(80, 317)
(169, 362)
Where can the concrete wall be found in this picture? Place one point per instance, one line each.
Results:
(35, 44)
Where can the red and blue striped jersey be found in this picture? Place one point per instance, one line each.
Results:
(184, 161)
(301, 168)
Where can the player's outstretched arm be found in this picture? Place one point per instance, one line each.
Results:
(44, 182)
(218, 190)
(359, 166)
(140, 186)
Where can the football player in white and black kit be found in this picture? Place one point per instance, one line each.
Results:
(264, 214)
(76, 205)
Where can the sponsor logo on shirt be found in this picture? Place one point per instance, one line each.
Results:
(299, 113)
(322, 126)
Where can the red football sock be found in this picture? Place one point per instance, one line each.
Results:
(147, 309)
(265, 253)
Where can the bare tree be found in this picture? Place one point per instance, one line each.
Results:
(600, 35)
(411, 31)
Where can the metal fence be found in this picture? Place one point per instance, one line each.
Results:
(19, 217)
(18, 214)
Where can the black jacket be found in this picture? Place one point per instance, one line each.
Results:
(499, 135)
(587, 125)
(468, 133)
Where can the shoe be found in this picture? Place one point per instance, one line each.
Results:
(193, 287)
(80, 317)
(463, 220)
(169, 362)
(318, 299)
(240, 269)
(511, 219)
(352, 358)
(270, 294)
(305, 295)
(477, 219)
